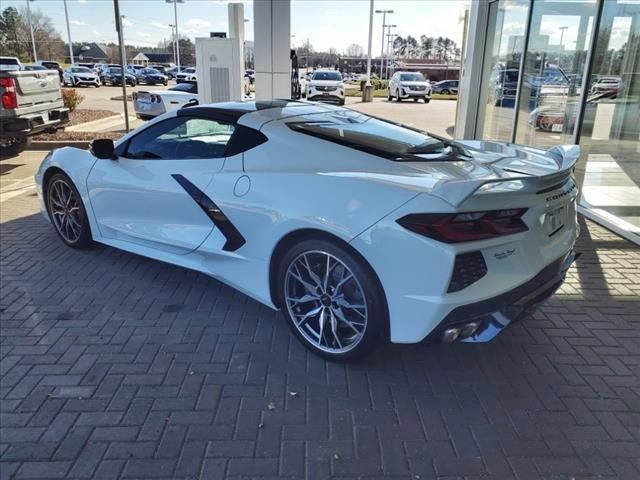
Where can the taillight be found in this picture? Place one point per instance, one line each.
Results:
(467, 226)
(9, 97)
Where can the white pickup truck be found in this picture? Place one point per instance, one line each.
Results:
(31, 103)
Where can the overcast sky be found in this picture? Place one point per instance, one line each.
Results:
(326, 23)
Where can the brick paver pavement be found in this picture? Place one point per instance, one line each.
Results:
(116, 366)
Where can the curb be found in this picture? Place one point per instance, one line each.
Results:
(94, 123)
(52, 145)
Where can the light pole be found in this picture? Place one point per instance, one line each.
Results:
(173, 42)
(33, 40)
(385, 56)
(390, 55)
(384, 24)
(367, 93)
(562, 29)
(123, 60)
(66, 15)
(175, 15)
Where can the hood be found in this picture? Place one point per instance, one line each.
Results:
(326, 83)
(170, 93)
(414, 83)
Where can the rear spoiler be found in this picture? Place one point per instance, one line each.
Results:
(455, 192)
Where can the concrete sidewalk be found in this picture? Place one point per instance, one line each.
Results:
(109, 124)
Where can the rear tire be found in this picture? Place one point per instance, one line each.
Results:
(67, 212)
(332, 300)
(445, 92)
(14, 146)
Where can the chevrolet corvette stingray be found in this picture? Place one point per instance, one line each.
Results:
(359, 230)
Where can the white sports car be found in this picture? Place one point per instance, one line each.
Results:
(360, 230)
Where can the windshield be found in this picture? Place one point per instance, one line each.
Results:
(327, 76)
(81, 70)
(115, 71)
(151, 71)
(509, 75)
(378, 137)
(411, 77)
(7, 64)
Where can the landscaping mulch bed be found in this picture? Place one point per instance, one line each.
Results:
(83, 115)
(75, 118)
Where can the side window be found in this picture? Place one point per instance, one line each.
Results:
(181, 138)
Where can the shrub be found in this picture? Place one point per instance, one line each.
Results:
(377, 84)
(71, 98)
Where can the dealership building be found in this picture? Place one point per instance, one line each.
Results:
(535, 72)
(544, 72)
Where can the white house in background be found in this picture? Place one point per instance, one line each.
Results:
(145, 58)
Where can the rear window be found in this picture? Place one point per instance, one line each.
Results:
(411, 77)
(188, 87)
(327, 76)
(378, 137)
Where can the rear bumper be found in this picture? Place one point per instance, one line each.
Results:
(487, 318)
(34, 123)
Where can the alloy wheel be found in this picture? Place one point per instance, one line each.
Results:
(326, 302)
(64, 208)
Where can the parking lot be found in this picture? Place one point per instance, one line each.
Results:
(114, 365)
(437, 117)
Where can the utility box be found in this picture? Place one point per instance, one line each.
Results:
(219, 70)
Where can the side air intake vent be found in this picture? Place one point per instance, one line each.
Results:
(468, 268)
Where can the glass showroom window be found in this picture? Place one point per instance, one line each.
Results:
(554, 66)
(610, 134)
(503, 52)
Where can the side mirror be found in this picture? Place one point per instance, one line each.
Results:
(102, 148)
(191, 103)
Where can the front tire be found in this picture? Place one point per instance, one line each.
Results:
(398, 99)
(67, 212)
(332, 300)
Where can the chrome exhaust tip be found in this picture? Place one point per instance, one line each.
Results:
(469, 329)
(451, 334)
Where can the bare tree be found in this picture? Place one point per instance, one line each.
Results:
(355, 50)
